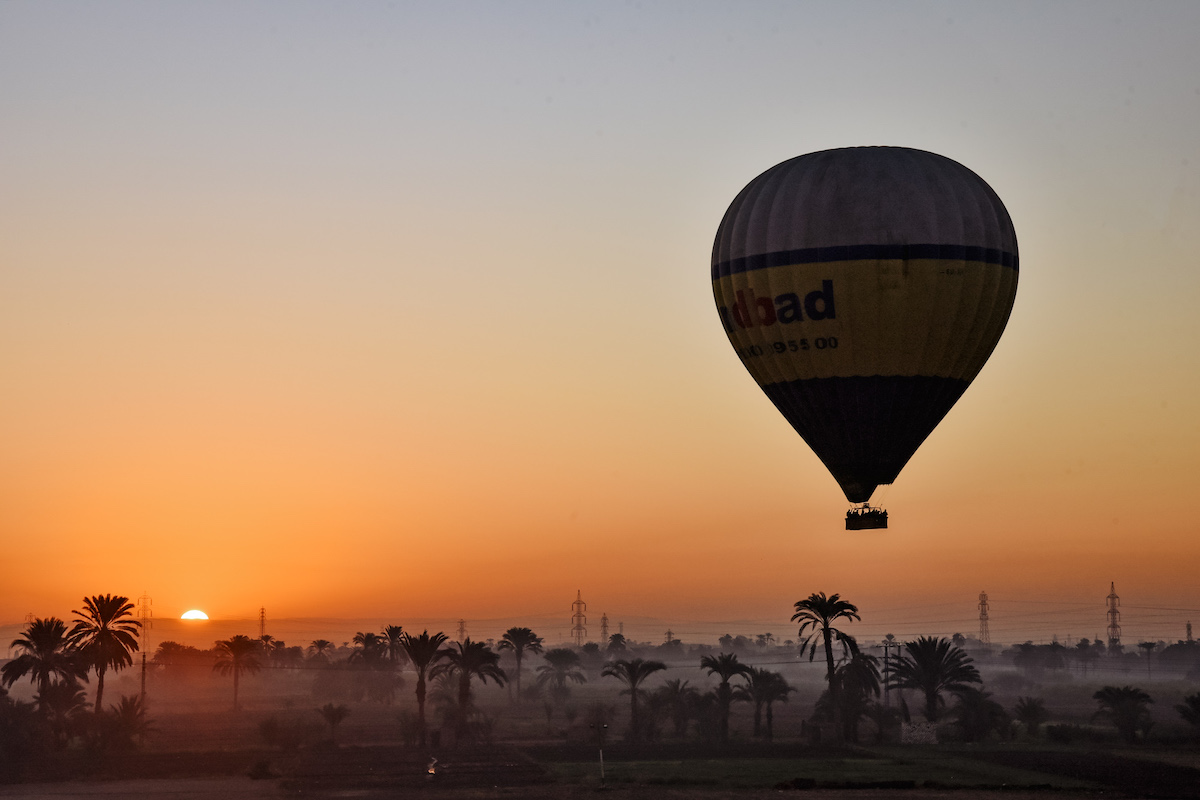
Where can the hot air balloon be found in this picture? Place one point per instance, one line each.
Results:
(864, 288)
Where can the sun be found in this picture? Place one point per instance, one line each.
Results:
(194, 614)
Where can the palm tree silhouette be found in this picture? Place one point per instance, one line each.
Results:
(1126, 707)
(632, 672)
(393, 644)
(816, 615)
(1031, 711)
(561, 665)
(858, 683)
(776, 691)
(519, 640)
(369, 648)
(46, 653)
(237, 654)
(680, 699)
(62, 704)
(762, 688)
(320, 649)
(932, 666)
(334, 716)
(106, 634)
(1189, 709)
(423, 652)
(725, 665)
(469, 660)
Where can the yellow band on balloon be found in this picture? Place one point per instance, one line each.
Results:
(928, 317)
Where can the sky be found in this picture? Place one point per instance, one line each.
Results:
(402, 311)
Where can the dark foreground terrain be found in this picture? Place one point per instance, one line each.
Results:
(669, 771)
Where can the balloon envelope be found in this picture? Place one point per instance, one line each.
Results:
(863, 289)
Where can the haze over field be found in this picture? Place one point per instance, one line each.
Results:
(403, 313)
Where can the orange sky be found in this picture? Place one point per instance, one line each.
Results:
(298, 328)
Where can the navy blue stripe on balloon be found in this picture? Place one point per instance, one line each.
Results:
(864, 252)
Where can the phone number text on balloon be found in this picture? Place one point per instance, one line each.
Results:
(790, 346)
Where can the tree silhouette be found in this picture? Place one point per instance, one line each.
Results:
(369, 649)
(562, 665)
(777, 691)
(857, 682)
(62, 704)
(933, 666)
(1031, 712)
(467, 660)
(726, 666)
(237, 655)
(977, 714)
(632, 672)
(126, 721)
(393, 645)
(423, 651)
(320, 649)
(334, 716)
(106, 635)
(1126, 707)
(617, 643)
(817, 615)
(45, 653)
(519, 640)
(679, 699)
(1189, 709)
(762, 686)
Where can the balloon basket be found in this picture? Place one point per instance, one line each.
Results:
(865, 518)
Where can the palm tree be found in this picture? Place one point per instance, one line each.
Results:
(679, 698)
(237, 654)
(422, 651)
(334, 716)
(62, 704)
(725, 665)
(469, 660)
(106, 634)
(320, 649)
(127, 721)
(617, 643)
(858, 683)
(1125, 707)
(369, 648)
(777, 690)
(632, 672)
(561, 665)
(758, 683)
(1189, 709)
(932, 666)
(393, 644)
(519, 640)
(1031, 711)
(978, 715)
(46, 653)
(816, 615)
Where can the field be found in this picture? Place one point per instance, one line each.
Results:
(199, 748)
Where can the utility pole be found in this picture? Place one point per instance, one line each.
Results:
(578, 620)
(1114, 617)
(145, 618)
(604, 628)
(888, 644)
(985, 635)
(262, 622)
